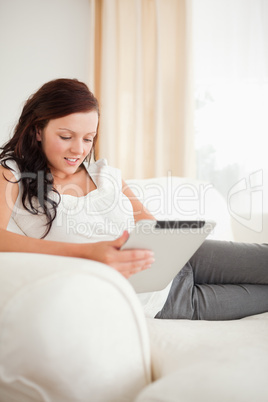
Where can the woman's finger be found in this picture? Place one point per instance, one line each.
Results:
(133, 267)
(134, 255)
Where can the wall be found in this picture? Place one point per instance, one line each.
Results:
(39, 41)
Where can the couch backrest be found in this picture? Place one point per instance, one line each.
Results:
(181, 198)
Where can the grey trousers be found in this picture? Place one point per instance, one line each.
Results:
(222, 281)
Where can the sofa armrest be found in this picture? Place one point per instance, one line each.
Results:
(71, 330)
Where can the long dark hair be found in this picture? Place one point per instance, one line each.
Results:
(55, 99)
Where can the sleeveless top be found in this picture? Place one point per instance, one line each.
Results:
(102, 214)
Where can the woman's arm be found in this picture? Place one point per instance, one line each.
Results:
(127, 262)
(139, 210)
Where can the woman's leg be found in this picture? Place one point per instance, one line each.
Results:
(222, 281)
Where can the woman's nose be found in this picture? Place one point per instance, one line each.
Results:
(77, 147)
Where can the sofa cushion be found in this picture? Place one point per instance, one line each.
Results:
(209, 360)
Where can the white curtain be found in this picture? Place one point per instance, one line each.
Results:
(141, 71)
(231, 83)
(230, 42)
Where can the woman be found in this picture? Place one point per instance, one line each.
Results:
(67, 206)
(56, 132)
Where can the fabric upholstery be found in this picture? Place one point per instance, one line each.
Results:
(208, 360)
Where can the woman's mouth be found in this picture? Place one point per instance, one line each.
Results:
(71, 161)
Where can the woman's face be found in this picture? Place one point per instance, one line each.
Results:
(67, 141)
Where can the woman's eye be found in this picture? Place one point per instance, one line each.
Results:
(65, 138)
(69, 138)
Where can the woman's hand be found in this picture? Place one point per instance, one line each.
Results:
(127, 262)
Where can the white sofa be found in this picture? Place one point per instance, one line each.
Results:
(73, 330)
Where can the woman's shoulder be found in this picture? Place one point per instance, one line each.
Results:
(100, 164)
(9, 168)
(102, 172)
(9, 188)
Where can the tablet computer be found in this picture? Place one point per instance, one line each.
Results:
(173, 244)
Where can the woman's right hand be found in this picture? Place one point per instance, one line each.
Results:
(127, 262)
